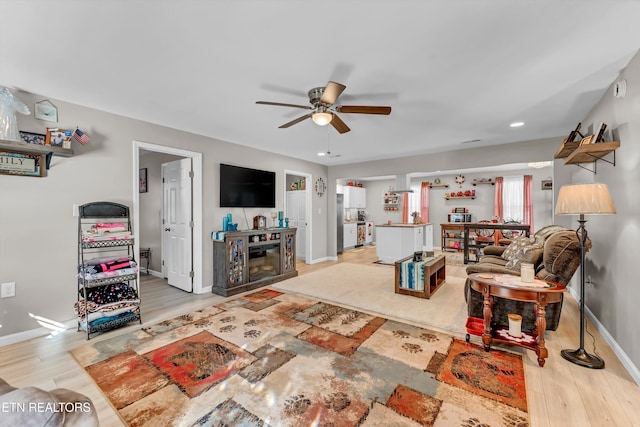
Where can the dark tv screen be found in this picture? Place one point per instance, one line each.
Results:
(246, 188)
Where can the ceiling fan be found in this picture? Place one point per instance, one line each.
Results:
(323, 111)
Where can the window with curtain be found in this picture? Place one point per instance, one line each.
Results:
(513, 198)
(414, 198)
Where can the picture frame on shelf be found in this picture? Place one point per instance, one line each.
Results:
(587, 140)
(142, 175)
(574, 133)
(33, 138)
(599, 134)
(60, 138)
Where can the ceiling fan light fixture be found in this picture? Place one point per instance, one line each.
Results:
(322, 118)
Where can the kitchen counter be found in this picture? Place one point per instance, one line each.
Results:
(400, 224)
(397, 241)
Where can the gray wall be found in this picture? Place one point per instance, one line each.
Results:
(38, 233)
(481, 207)
(151, 207)
(613, 297)
(489, 157)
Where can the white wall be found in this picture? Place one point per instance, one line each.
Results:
(38, 243)
(613, 297)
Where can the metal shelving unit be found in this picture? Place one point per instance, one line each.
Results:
(89, 215)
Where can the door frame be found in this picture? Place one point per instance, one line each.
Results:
(308, 196)
(196, 164)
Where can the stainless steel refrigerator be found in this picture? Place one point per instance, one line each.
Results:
(340, 222)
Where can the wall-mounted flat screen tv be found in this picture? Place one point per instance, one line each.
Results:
(246, 188)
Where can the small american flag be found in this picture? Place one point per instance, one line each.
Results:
(80, 136)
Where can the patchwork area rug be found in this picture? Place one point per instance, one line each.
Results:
(453, 258)
(278, 359)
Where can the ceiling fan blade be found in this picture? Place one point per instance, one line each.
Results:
(280, 104)
(293, 122)
(363, 109)
(339, 125)
(332, 92)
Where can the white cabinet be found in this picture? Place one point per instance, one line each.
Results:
(350, 236)
(296, 211)
(418, 238)
(354, 197)
(397, 241)
(428, 237)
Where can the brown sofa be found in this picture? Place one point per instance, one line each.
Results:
(31, 406)
(555, 255)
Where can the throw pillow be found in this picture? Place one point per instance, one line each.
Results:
(522, 249)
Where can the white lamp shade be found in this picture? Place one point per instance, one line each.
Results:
(585, 199)
(322, 119)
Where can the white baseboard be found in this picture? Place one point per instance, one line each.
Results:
(317, 260)
(626, 362)
(35, 333)
(205, 290)
(152, 273)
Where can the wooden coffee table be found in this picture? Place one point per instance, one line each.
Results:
(434, 277)
(490, 287)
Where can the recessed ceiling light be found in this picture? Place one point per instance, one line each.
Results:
(516, 124)
(321, 154)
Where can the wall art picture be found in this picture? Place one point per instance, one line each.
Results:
(143, 180)
(45, 110)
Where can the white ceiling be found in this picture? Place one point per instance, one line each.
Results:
(452, 71)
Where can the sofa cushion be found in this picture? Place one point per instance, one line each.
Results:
(561, 257)
(542, 234)
(522, 250)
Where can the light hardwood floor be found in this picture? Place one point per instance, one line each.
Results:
(560, 394)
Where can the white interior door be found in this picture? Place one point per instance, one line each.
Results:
(301, 232)
(296, 210)
(177, 223)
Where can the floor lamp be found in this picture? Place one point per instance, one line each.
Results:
(583, 199)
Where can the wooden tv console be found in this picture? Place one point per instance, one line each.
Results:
(246, 260)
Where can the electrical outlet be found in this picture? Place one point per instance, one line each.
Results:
(8, 290)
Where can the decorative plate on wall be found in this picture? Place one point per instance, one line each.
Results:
(459, 179)
(320, 187)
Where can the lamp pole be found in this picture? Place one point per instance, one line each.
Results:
(580, 356)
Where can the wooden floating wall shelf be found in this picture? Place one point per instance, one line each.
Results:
(474, 182)
(34, 148)
(438, 185)
(587, 153)
(459, 197)
(566, 149)
(575, 153)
